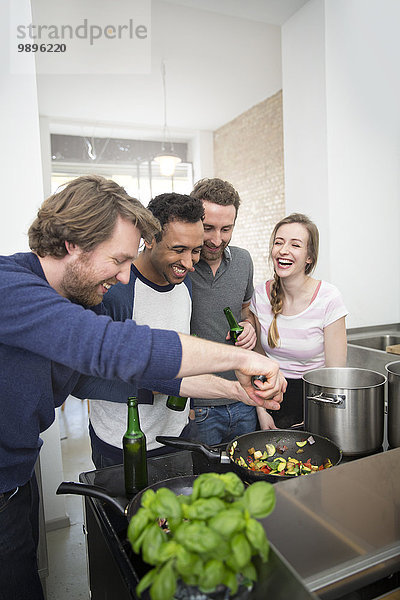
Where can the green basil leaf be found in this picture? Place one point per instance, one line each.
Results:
(234, 486)
(183, 499)
(272, 465)
(224, 549)
(212, 575)
(146, 581)
(138, 523)
(203, 508)
(181, 531)
(155, 537)
(164, 584)
(208, 485)
(187, 563)
(139, 541)
(257, 537)
(259, 499)
(191, 579)
(241, 549)
(230, 580)
(148, 498)
(174, 523)
(232, 563)
(227, 522)
(166, 505)
(249, 571)
(168, 550)
(197, 537)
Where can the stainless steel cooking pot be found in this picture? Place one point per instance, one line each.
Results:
(346, 405)
(393, 422)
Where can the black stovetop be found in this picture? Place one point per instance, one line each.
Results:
(276, 579)
(183, 463)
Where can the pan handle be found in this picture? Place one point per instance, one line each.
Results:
(93, 491)
(177, 442)
(336, 399)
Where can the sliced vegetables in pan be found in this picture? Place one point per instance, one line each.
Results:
(272, 462)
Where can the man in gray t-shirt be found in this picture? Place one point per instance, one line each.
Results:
(223, 277)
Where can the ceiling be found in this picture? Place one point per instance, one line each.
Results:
(222, 57)
(274, 12)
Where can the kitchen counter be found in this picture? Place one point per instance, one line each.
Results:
(366, 357)
(340, 529)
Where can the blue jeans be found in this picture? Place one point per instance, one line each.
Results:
(19, 535)
(220, 424)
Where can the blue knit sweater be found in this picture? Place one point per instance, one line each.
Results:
(46, 344)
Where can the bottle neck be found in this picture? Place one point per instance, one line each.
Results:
(133, 418)
(231, 319)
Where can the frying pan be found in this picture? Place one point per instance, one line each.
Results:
(178, 485)
(317, 452)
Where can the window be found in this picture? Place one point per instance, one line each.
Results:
(128, 162)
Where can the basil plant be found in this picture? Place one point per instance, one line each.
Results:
(206, 539)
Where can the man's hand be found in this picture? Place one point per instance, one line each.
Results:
(268, 394)
(265, 419)
(201, 357)
(248, 338)
(238, 393)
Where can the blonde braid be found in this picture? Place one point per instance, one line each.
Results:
(276, 300)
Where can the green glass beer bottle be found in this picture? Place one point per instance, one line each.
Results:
(176, 402)
(134, 450)
(234, 328)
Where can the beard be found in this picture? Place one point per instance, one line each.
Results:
(79, 284)
(209, 256)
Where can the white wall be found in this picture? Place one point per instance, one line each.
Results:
(22, 190)
(342, 167)
(21, 195)
(217, 66)
(202, 150)
(363, 92)
(304, 120)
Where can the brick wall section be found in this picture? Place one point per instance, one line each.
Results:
(248, 152)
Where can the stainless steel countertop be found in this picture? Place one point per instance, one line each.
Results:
(340, 528)
(368, 358)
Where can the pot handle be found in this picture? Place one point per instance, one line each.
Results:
(93, 491)
(177, 442)
(336, 399)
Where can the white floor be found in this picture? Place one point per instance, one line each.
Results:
(66, 547)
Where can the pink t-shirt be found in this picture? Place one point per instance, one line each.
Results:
(301, 344)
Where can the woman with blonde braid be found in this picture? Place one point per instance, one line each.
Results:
(300, 321)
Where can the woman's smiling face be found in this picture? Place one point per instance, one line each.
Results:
(290, 250)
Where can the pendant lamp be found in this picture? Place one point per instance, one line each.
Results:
(167, 158)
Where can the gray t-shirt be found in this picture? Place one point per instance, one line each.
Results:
(231, 286)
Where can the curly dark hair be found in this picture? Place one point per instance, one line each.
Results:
(84, 212)
(175, 207)
(217, 191)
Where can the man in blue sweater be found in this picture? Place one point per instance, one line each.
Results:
(83, 241)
